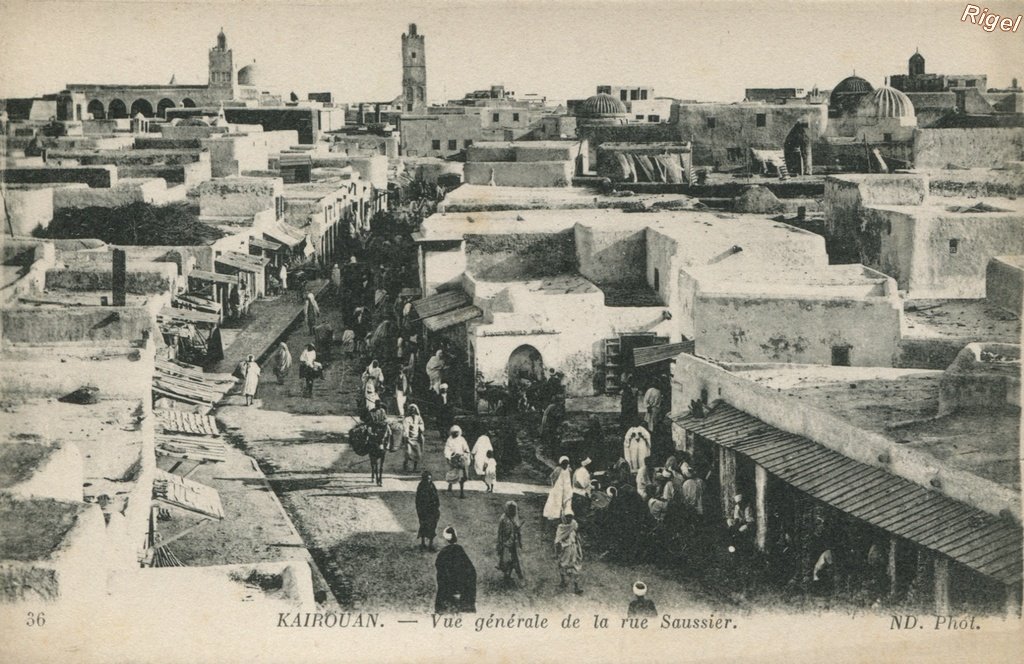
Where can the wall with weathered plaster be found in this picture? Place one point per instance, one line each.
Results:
(611, 256)
(62, 325)
(984, 377)
(796, 329)
(24, 210)
(229, 197)
(918, 253)
(1004, 282)
(94, 176)
(140, 278)
(520, 255)
(691, 374)
(846, 197)
(968, 148)
(441, 264)
(516, 174)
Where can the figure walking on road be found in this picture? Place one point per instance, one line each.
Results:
(456, 577)
(569, 550)
(428, 511)
(510, 543)
(457, 454)
(251, 371)
(412, 437)
(282, 362)
(312, 312)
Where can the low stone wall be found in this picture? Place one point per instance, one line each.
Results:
(513, 174)
(1004, 283)
(46, 326)
(151, 279)
(968, 147)
(25, 210)
(94, 176)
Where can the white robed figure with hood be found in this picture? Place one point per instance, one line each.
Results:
(559, 500)
(480, 450)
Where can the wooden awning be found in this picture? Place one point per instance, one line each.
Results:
(239, 261)
(187, 316)
(647, 355)
(213, 277)
(262, 243)
(987, 544)
(453, 317)
(286, 237)
(187, 494)
(439, 304)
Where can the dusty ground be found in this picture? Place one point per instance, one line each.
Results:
(363, 538)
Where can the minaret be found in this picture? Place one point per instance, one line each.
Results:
(222, 69)
(414, 71)
(916, 67)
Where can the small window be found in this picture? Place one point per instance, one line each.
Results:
(840, 356)
(704, 395)
(654, 118)
(634, 95)
(887, 138)
(711, 123)
(640, 116)
(624, 95)
(734, 154)
(414, 56)
(762, 119)
(515, 117)
(435, 144)
(453, 144)
(495, 117)
(954, 246)
(657, 279)
(643, 94)
(468, 142)
(972, 83)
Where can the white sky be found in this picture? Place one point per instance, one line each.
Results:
(708, 50)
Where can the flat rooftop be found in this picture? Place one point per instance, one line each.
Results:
(691, 225)
(759, 280)
(478, 197)
(901, 404)
(962, 320)
(106, 433)
(35, 529)
(989, 206)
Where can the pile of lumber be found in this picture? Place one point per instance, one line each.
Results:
(188, 384)
(187, 495)
(190, 447)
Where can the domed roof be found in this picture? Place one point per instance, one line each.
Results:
(888, 102)
(601, 105)
(852, 84)
(917, 57)
(247, 75)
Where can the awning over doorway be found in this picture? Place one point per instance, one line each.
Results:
(285, 236)
(269, 245)
(646, 355)
(439, 303)
(453, 317)
(213, 277)
(985, 543)
(239, 261)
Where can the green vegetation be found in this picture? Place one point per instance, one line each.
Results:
(134, 224)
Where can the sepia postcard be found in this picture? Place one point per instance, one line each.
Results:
(511, 331)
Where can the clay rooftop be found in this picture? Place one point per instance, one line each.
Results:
(693, 225)
(902, 405)
(766, 280)
(470, 197)
(969, 320)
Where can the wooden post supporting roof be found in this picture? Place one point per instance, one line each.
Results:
(761, 506)
(727, 477)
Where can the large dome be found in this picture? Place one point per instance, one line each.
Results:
(247, 75)
(601, 106)
(887, 102)
(852, 84)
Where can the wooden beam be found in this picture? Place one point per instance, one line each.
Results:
(891, 567)
(942, 572)
(726, 477)
(761, 506)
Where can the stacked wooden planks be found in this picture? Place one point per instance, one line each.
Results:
(189, 385)
(187, 495)
(188, 436)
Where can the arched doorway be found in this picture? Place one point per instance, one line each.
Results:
(163, 105)
(117, 110)
(526, 363)
(95, 108)
(141, 106)
(187, 103)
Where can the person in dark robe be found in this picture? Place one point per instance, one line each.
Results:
(510, 543)
(428, 511)
(641, 605)
(628, 409)
(456, 577)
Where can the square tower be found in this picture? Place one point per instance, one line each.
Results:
(414, 71)
(222, 68)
